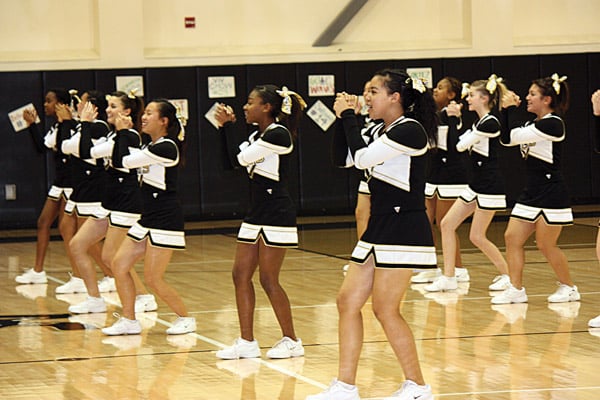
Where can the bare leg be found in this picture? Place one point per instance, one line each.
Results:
(114, 238)
(389, 287)
(49, 213)
(91, 232)
(352, 296)
(67, 226)
(246, 262)
(442, 208)
(95, 251)
(156, 261)
(127, 255)
(270, 260)
(515, 237)
(546, 237)
(478, 235)
(450, 223)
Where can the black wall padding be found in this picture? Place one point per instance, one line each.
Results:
(210, 190)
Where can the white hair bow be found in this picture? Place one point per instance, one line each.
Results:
(465, 90)
(492, 83)
(286, 105)
(557, 81)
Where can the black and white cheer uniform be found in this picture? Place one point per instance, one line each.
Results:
(545, 194)
(398, 232)
(369, 131)
(162, 217)
(61, 185)
(447, 177)
(486, 185)
(266, 157)
(122, 200)
(88, 174)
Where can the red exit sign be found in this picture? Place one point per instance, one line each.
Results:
(190, 22)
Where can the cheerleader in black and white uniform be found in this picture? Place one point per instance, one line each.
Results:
(398, 236)
(269, 227)
(88, 177)
(159, 231)
(56, 100)
(485, 192)
(544, 205)
(595, 322)
(121, 204)
(447, 176)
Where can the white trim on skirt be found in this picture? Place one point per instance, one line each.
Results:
(158, 237)
(387, 255)
(275, 236)
(552, 216)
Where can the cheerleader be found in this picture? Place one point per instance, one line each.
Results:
(159, 231)
(485, 192)
(398, 236)
(447, 176)
(595, 322)
(544, 205)
(88, 175)
(121, 205)
(55, 107)
(269, 227)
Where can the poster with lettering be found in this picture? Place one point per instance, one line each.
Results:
(220, 87)
(131, 83)
(424, 74)
(321, 85)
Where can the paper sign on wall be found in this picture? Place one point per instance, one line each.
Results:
(16, 117)
(424, 73)
(322, 115)
(182, 107)
(321, 85)
(221, 87)
(132, 82)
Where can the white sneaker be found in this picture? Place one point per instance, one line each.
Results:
(462, 274)
(501, 282)
(107, 284)
(123, 326)
(411, 391)
(240, 349)
(90, 305)
(286, 348)
(442, 283)
(30, 276)
(594, 322)
(74, 285)
(182, 325)
(510, 295)
(337, 391)
(564, 294)
(145, 303)
(426, 276)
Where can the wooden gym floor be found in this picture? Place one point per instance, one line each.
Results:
(468, 348)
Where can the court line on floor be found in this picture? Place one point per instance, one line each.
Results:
(220, 345)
